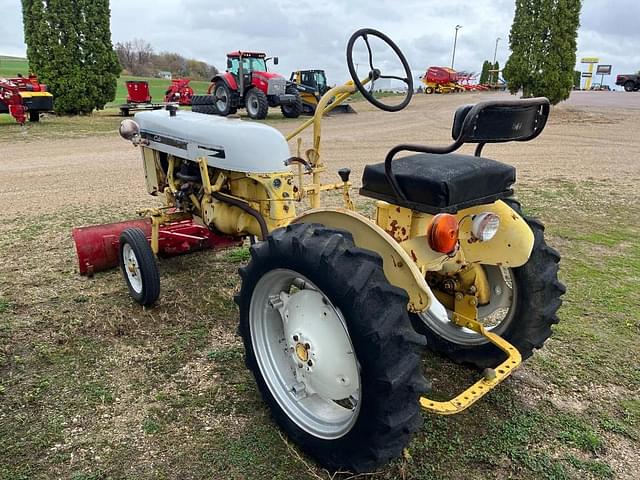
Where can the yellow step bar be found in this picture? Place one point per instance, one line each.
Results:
(491, 376)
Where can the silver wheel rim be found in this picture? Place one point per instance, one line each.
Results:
(252, 104)
(221, 99)
(132, 268)
(305, 354)
(496, 316)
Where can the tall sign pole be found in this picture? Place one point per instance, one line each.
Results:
(588, 75)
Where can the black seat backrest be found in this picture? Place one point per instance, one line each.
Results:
(500, 121)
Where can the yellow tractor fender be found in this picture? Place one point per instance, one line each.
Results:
(398, 266)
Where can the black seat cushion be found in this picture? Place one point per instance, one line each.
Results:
(440, 183)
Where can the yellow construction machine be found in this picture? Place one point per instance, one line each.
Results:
(312, 85)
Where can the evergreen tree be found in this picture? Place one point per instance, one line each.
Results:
(496, 73)
(484, 74)
(69, 48)
(543, 48)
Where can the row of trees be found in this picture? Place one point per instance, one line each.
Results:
(138, 58)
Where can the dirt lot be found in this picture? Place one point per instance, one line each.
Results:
(93, 387)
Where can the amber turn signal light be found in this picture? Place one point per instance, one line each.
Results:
(443, 233)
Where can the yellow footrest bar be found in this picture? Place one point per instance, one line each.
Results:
(491, 376)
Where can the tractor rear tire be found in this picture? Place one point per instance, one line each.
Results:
(139, 267)
(256, 104)
(34, 116)
(206, 109)
(537, 299)
(384, 349)
(629, 86)
(292, 110)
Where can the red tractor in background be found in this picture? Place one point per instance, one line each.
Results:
(441, 80)
(179, 92)
(20, 96)
(247, 84)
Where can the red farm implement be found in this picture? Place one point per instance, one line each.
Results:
(22, 96)
(441, 80)
(98, 246)
(179, 92)
(138, 98)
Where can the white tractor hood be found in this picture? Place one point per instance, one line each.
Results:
(226, 143)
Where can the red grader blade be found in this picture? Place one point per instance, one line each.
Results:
(98, 246)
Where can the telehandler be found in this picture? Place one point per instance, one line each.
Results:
(336, 309)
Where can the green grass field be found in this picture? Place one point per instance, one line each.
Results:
(10, 66)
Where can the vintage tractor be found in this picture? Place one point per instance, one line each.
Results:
(248, 84)
(336, 309)
(179, 92)
(22, 96)
(312, 85)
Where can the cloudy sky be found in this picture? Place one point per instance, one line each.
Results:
(313, 34)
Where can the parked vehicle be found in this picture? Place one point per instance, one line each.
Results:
(630, 81)
(336, 308)
(248, 84)
(24, 96)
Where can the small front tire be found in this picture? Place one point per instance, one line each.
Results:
(629, 86)
(257, 104)
(139, 267)
(292, 110)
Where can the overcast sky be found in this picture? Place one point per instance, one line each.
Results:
(313, 34)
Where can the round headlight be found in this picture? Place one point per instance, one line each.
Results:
(485, 226)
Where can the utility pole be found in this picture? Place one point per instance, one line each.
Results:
(455, 40)
(495, 52)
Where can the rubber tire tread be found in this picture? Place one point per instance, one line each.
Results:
(206, 109)
(263, 104)
(292, 110)
(539, 298)
(149, 271)
(202, 100)
(388, 349)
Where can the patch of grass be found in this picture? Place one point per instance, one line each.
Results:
(594, 467)
(98, 393)
(4, 305)
(576, 432)
(238, 255)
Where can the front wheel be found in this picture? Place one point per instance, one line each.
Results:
(522, 308)
(257, 104)
(629, 86)
(292, 110)
(139, 267)
(331, 347)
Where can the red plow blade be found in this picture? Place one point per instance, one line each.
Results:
(98, 246)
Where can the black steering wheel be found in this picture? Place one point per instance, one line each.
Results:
(375, 74)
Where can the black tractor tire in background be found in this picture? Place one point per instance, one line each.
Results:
(292, 110)
(429, 90)
(206, 109)
(256, 104)
(537, 301)
(148, 267)
(34, 116)
(202, 100)
(629, 86)
(386, 347)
